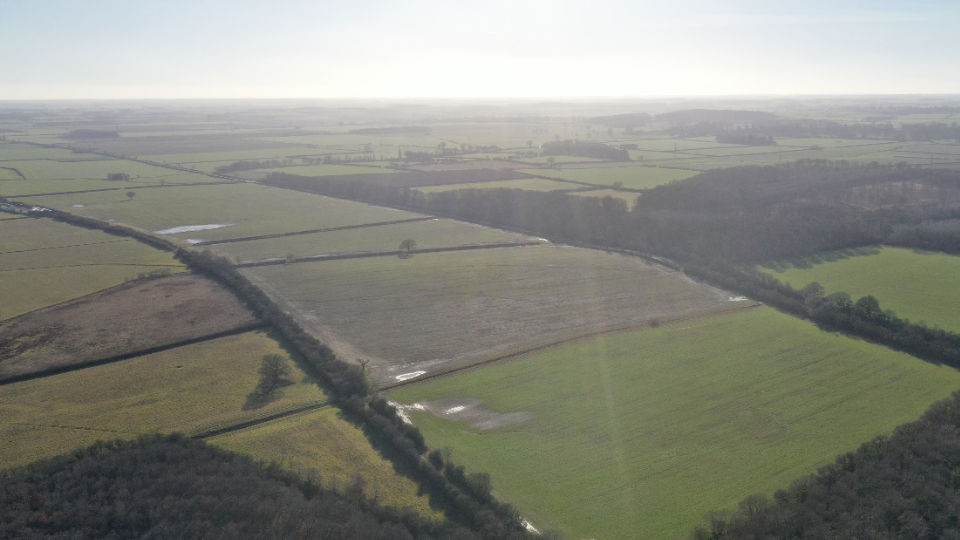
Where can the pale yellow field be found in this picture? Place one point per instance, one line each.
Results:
(320, 442)
(189, 389)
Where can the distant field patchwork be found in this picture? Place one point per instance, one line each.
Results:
(215, 212)
(640, 434)
(434, 311)
(918, 285)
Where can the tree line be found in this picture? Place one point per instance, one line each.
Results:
(247, 165)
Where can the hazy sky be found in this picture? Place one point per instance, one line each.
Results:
(489, 48)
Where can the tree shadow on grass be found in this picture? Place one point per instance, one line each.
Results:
(260, 398)
(809, 261)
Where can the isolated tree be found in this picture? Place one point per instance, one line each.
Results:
(130, 195)
(406, 247)
(273, 373)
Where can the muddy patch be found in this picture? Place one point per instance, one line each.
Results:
(193, 228)
(472, 413)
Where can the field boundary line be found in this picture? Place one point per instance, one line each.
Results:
(16, 171)
(130, 355)
(128, 188)
(572, 339)
(370, 254)
(311, 231)
(67, 246)
(93, 264)
(256, 422)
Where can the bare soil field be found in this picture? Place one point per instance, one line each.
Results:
(435, 312)
(121, 320)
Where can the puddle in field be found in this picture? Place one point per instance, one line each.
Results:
(78, 206)
(194, 228)
(407, 376)
(472, 413)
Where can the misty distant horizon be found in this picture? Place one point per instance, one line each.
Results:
(433, 50)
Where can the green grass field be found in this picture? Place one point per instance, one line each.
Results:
(634, 177)
(321, 443)
(43, 262)
(14, 151)
(434, 311)
(529, 184)
(329, 170)
(680, 145)
(88, 169)
(34, 233)
(921, 286)
(557, 159)
(427, 234)
(640, 434)
(650, 155)
(252, 209)
(77, 172)
(745, 150)
(188, 389)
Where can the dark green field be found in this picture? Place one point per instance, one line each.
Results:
(641, 434)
